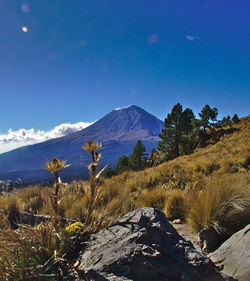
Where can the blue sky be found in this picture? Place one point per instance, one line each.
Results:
(81, 59)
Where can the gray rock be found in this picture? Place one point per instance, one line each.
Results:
(233, 256)
(210, 240)
(144, 246)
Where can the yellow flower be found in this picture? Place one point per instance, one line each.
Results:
(91, 146)
(55, 165)
(74, 227)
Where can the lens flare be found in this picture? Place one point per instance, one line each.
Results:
(25, 8)
(24, 29)
(153, 39)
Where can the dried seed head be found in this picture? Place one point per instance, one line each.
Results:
(91, 146)
(55, 165)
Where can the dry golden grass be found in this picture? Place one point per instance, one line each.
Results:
(210, 187)
(8, 202)
(176, 204)
(26, 253)
(32, 198)
(224, 204)
(227, 158)
(154, 197)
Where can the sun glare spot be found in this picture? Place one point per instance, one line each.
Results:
(24, 29)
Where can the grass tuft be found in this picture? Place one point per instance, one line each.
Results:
(176, 204)
(223, 204)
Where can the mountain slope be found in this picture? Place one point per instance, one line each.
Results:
(118, 131)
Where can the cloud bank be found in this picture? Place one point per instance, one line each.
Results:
(21, 137)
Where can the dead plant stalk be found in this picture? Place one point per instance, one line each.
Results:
(92, 148)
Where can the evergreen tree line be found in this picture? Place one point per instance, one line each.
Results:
(182, 133)
(135, 162)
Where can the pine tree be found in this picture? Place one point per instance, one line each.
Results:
(235, 119)
(122, 165)
(207, 115)
(136, 160)
(108, 173)
(177, 128)
(226, 121)
(208, 118)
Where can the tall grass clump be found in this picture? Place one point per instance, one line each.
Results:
(176, 204)
(152, 198)
(9, 206)
(223, 204)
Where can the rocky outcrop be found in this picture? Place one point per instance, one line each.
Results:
(233, 256)
(144, 246)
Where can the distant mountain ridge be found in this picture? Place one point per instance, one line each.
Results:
(118, 131)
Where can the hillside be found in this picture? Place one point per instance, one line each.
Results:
(224, 164)
(118, 131)
(209, 188)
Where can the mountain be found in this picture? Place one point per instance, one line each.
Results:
(118, 131)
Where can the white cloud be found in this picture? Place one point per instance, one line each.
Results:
(21, 137)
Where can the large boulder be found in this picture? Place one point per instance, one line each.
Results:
(233, 256)
(144, 246)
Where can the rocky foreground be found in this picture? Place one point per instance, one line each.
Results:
(233, 257)
(143, 245)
